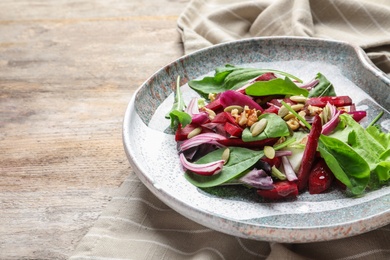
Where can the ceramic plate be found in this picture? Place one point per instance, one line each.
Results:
(151, 148)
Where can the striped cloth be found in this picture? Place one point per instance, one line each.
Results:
(137, 225)
(362, 22)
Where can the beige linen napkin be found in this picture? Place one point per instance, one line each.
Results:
(137, 225)
(362, 22)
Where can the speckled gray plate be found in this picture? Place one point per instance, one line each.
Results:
(151, 149)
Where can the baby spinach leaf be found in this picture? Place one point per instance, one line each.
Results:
(177, 114)
(276, 86)
(323, 88)
(222, 72)
(276, 127)
(239, 161)
(240, 77)
(178, 102)
(346, 164)
(179, 117)
(230, 77)
(206, 85)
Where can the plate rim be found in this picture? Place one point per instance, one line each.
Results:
(188, 211)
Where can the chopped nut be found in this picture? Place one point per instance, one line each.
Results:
(212, 96)
(252, 118)
(302, 114)
(235, 113)
(242, 120)
(313, 110)
(293, 124)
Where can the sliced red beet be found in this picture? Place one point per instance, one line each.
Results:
(320, 178)
(220, 118)
(309, 154)
(215, 105)
(255, 144)
(276, 161)
(266, 77)
(281, 190)
(232, 97)
(358, 115)
(338, 101)
(233, 129)
(271, 109)
(181, 134)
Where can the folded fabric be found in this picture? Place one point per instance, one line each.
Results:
(362, 22)
(137, 225)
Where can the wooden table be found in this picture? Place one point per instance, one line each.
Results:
(67, 71)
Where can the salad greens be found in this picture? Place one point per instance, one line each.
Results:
(323, 88)
(224, 129)
(276, 127)
(240, 160)
(276, 86)
(177, 114)
(230, 77)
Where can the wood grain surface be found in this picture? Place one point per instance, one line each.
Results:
(67, 71)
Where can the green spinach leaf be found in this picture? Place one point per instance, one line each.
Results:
(323, 88)
(239, 161)
(276, 127)
(230, 77)
(177, 114)
(179, 117)
(276, 86)
(345, 163)
(370, 144)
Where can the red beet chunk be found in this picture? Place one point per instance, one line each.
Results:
(254, 145)
(233, 129)
(281, 190)
(215, 105)
(266, 77)
(338, 101)
(320, 178)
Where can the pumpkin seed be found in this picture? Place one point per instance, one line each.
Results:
(194, 132)
(283, 111)
(258, 127)
(269, 152)
(226, 155)
(230, 108)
